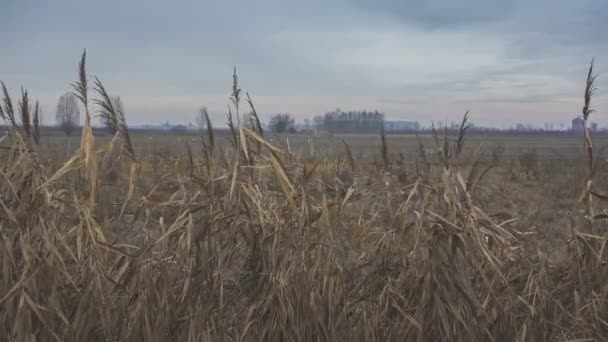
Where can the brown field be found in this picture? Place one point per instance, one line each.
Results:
(547, 147)
(450, 238)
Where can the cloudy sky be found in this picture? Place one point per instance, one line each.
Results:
(505, 60)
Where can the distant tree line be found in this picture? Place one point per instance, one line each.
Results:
(350, 122)
(282, 123)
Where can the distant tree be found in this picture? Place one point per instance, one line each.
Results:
(41, 118)
(282, 123)
(110, 116)
(200, 119)
(249, 122)
(318, 123)
(307, 124)
(68, 113)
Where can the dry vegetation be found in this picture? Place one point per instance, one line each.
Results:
(251, 242)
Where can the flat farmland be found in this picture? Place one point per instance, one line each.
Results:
(551, 147)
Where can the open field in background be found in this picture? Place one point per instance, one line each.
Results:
(145, 238)
(563, 147)
(536, 179)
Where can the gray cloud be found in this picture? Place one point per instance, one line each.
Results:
(441, 14)
(404, 57)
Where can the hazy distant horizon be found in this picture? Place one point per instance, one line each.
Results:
(507, 62)
(219, 121)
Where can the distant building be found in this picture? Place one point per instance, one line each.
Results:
(147, 127)
(578, 124)
(166, 126)
(179, 128)
(594, 126)
(397, 126)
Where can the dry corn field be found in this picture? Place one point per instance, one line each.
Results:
(242, 238)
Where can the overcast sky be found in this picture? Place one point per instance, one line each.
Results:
(506, 61)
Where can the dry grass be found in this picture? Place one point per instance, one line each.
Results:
(250, 244)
